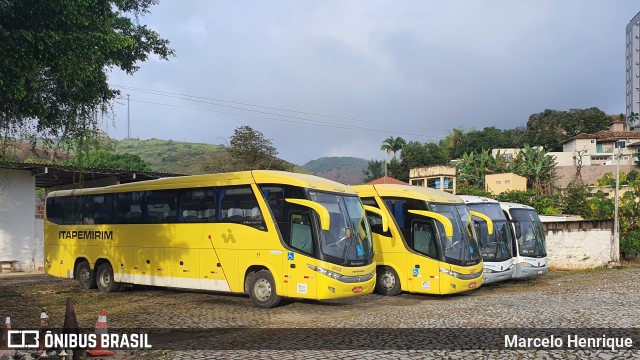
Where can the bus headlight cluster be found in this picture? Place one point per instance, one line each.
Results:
(457, 275)
(525, 264)
(342, 278)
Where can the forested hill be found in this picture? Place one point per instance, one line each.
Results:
(174, 156)
(346, 170)
(168, 155)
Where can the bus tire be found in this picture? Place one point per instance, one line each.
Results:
(387, 281)
(262, 290)
(85, 277)
(104, 279)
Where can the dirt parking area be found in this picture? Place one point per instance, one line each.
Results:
(600, 298)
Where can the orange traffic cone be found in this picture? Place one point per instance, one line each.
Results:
(4, 344)
(101, 328)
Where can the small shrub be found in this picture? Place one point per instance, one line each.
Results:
(630, 244)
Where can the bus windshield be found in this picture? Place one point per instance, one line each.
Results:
(497, 246)
(531, 242)
(462, 248)
(349, 238)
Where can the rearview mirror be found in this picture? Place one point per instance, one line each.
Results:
(385, 219)
(446, 223)
(323, 213)
(485, 218)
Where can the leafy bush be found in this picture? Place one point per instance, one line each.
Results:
(475, 190)
(630, 244)
(574, 199)
(544, 205)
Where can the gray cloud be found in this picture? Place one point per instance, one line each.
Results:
(426, 64)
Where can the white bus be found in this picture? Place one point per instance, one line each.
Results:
(530, 245)
(497, 247)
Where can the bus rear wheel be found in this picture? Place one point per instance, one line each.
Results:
(85, 276)
(104, 279)
(387, 281)
(262, 290)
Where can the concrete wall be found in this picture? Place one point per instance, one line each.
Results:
(580, 244)
(18, 239)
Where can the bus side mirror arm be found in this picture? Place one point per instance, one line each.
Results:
(448, 226)
(383, 216)
(325, 218)
(485, 218)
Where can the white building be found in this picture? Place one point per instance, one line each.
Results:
(633, 67)
(599, 148)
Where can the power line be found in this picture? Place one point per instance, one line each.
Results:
(206, 100)
(306, 122)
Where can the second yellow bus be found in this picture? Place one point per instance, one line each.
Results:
(430, 243)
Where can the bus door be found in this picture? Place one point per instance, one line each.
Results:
(422, 264)
(300, 278)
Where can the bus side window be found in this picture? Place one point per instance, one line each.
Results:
(198, 205)
(301, 236)
(128, 208)
(98, 209)
(73, 210)
(55, 210)
(239, 205)
(162, 206)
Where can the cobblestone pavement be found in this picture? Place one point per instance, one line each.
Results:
(599, 298)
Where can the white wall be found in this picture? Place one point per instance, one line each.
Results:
(18, 239)
(581, 244)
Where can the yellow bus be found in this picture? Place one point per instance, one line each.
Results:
(270, 234)
(430, 245)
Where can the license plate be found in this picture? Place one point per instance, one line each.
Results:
(472, 285)
(540, 272)
(357, 289)
(500, 277)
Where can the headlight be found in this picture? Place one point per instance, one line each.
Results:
(342, 278)
(525, 264)
(457, 275)
(487, 270)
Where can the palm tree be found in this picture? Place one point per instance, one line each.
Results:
(633, 119)
(393, 145)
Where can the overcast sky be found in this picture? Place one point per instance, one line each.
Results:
(372, 69)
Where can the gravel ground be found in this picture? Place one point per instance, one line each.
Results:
(598, 298)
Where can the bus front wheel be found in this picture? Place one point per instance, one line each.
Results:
(104, 279)
(387, 281)
(262, 290)
(85, 276)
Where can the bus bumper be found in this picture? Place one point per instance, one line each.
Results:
(451, 285)
(329, 288)
(523, 272)
(497, 276)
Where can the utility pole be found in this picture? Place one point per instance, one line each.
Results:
(615, 248)
(128, 119)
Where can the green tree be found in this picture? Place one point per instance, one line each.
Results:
(601, 207)
(106, 159)
(55, 57)
(248, 150)
(552, 127)
(374, 170)
(575, 199)
(393, 145)
(538, 167)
